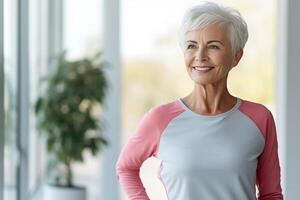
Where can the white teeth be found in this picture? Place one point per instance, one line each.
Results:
(202, 68)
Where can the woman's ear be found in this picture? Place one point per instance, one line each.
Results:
(237, 57)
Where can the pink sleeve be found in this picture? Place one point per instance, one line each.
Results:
(268, 168)
(142, 145)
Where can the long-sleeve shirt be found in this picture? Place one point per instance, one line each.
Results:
(208, 157)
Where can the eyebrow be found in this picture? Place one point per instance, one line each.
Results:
(211, 41)
(192, 41)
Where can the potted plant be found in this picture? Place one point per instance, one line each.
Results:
(68, 113)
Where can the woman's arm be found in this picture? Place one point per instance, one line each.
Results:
(268, 169)
(141, 145)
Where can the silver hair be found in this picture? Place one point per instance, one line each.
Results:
(208, 13)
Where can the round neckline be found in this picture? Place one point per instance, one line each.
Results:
(235, 107)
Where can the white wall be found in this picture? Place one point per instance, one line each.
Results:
(288, 95)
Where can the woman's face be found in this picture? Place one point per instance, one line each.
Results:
(208, 55)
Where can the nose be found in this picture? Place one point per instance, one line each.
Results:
(201, 54)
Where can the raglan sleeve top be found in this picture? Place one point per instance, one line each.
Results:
(160, 134)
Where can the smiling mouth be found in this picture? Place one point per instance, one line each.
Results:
(202, 69)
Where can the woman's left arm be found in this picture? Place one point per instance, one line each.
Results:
(268, 168)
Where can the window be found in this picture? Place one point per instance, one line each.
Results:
(82, 37)
(10, 85)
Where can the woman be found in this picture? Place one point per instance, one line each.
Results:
(212, 145)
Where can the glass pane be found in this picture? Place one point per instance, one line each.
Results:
(10, 85)
(38, 19)
(82, 28)
(82, 37)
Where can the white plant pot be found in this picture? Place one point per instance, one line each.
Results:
(52, 192)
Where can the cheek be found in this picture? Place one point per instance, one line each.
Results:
(223, 60)
(188, 58)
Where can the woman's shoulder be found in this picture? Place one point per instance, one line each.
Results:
(165, 110)
(255, 109)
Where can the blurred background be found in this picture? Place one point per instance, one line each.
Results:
(138, 39)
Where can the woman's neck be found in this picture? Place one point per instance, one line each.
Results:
(210, 99)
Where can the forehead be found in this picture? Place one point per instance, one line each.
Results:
(210, 32)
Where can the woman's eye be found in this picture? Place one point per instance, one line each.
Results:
(213, 47)
(191, 46)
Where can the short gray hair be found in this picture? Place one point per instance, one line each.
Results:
(209, 13)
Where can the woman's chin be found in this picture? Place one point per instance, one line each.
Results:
(206, 80)
(202, 81)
